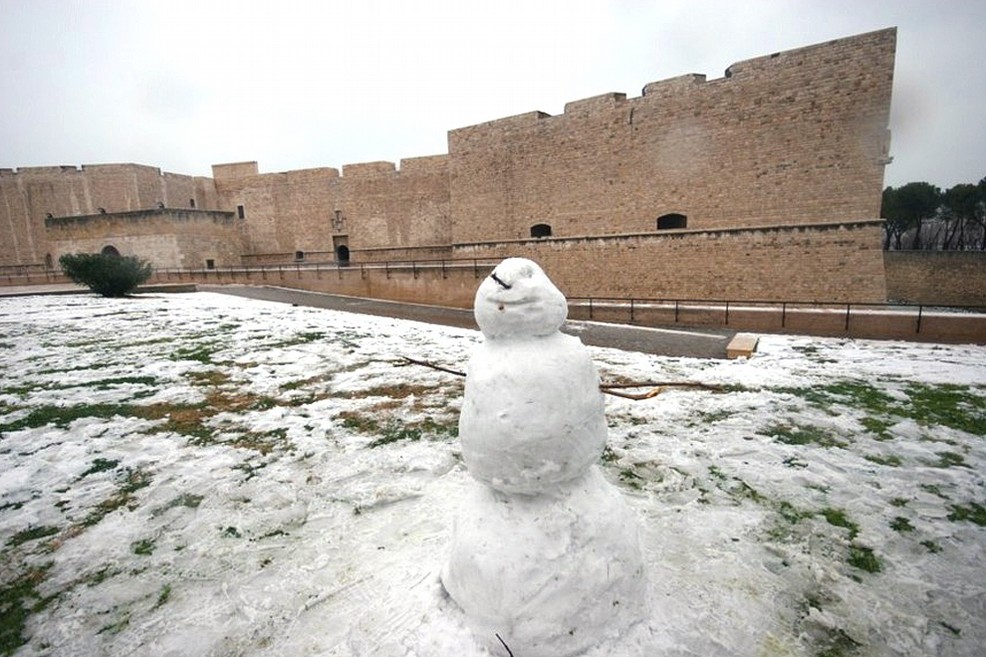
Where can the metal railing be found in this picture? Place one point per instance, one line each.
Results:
(637, 310)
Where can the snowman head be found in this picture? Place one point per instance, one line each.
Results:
(519, 300)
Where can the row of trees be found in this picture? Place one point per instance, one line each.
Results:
(921, 216)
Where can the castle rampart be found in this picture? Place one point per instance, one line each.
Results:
(792, 139)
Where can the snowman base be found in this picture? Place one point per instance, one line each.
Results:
(549, 575)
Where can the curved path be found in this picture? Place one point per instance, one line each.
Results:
(664, 342)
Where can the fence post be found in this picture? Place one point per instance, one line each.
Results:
(590, 307)
(631, 311)
(920, 309)
(727, 313)
(675, 311)
(783, 313)
(848, 307)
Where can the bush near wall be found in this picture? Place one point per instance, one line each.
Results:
(108, 275)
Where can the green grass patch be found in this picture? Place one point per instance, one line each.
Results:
(300, 338)
(100, 465)
(199, 353)
(163, 596)
(879, 427)
(838, 518)
(123, 496)
(802, 435)
(396, 431)
(143, 547)
(973, 512)
(629, 477)
(864, 559)
(901, 524)
(19, 599)
(31, 534)
(891, 460)
(854, 394)
(63, 416)
(935, 490)
(953, 406)
(950, 459)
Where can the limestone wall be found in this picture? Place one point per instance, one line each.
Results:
(166, 238)
(794, 137)
(371, 205)
(936, 277)
(823, 262)
(768, 178)
(30, 194)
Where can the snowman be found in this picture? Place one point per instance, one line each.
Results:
(545, 557)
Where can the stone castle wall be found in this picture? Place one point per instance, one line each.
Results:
(31, 194)
(946, 278)
(794, 137)
(797, 138)
(167, 238)
(378, 205)
(828, 262)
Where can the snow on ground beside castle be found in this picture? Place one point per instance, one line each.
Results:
(207, 475)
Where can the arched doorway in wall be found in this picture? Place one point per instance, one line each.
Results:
(342, 255)
(49, 261)
(671, 221)
(110, 250)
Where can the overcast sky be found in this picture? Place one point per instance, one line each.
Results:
(182, 85)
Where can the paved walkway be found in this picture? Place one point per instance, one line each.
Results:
(705, 343)
(693, 343)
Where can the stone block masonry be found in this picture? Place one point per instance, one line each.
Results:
(764, 183)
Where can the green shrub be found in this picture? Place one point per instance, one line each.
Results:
(108, 275)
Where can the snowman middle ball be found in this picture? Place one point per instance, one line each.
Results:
(532, 414)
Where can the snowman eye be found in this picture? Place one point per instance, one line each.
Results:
(499, 282)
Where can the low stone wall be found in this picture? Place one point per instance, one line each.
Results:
(822, 262)
(947, 278)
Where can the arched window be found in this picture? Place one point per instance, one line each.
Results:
(540, 230)
(342, 254)
(299, 255)
(673, 220)
(49, 262)
(110, 250)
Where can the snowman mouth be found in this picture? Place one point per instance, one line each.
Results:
(502, 304)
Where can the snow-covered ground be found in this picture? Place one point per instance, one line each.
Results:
(208, 475)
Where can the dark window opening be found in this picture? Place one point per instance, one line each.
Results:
(670, 221)
(299, 255)
(49, 262)
(110, 250)
(240, 212)
(342, 254)
(191, 202)
(540, 230)
(210, 263)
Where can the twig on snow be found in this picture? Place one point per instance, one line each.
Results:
(509, 652)
(656, 387)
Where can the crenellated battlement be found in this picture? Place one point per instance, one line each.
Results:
(795, 138)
